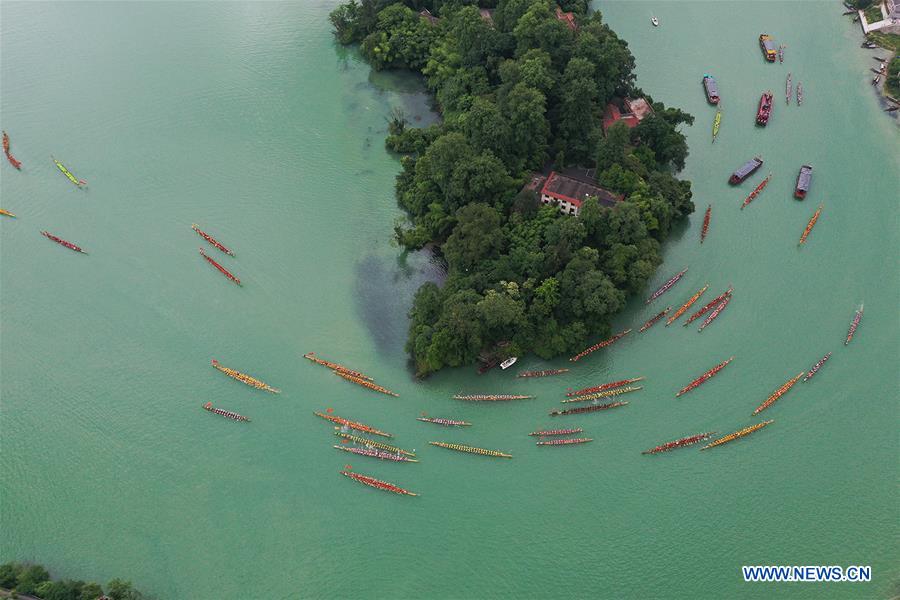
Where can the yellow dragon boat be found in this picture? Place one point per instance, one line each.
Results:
(737, 434)
(471, 450)
(778, 393)
(365, 383)
(606, 394)
(243, 378)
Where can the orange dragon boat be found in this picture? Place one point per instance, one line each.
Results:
(737, 435)
(810, 225)
(352, 424)
(335, 366)
(686, 305)
(778, 393)
(245, 379)
(705, 228)
(713, 304)
(762, 185)
(365, 383)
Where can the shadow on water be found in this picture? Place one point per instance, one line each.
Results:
(384, 292)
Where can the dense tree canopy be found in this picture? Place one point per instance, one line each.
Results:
(519, 92)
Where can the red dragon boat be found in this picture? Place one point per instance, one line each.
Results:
(62, 242)
(211, 240)
(603, 387)
(549, 432)
(587, 409)
(221, 269)
(12, 159)
(714, 303)
(705, 228)
(377, 483)
(652, 321)
(715, 314)
(352, 424)
(602, 344)
(685, 441)
(703, 378)
(666, 286)
(564, 442)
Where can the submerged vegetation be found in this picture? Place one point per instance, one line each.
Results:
(521, 89)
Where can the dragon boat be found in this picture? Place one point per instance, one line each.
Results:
(703, 378)
(680, 443)
(352, 424)
(737, 435)
(471, 449)
(602, 344)
(335, 366)
(244, 378)
(587, 409)
(666, 286)
(376, 483)
(686, 305)
(778, 393)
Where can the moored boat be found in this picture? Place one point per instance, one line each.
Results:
(508, 362)
(703, 378)
(211, 240)
(551, 432)
(220, 268)
(491, 397)
(544, 373)
(778, 393)
(471, 449)
(63, 242)
(804, 178)
(711, 89)
(737, 434)
(756, 191)
(666, 286)
(225, 413)
(564, 442)
(745, 170)
(686, 305)
(365, 383)
(376, 453)
(815, 368)
(378, 484)
(715, 313)
(587, 409)
(602, 387)
(444, 422)
(810, 225)
(6, 213)
(605, 394)
(708, 307)
(680, 443)
(244, 378)
(655, 21)
(352, 424)
(334, 366)
(765, 109)
(367, 442)
(652, 321)
(768, 47)
(602, 344)
(705, 227)
(68, 174)
(854, 324)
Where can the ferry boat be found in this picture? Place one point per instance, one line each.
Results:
(711, 88)
(804, 178)
(746, 170)
(765, 109)
(770, 52)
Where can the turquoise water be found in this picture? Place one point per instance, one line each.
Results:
(250, 121)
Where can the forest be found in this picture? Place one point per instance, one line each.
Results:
(521, 88)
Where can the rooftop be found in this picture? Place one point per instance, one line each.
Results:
(566, 187)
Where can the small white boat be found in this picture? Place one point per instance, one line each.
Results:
(509, 362)
(655, 21)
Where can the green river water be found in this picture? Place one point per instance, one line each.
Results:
(249, 120)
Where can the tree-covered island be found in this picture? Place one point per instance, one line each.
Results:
(539, 259)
